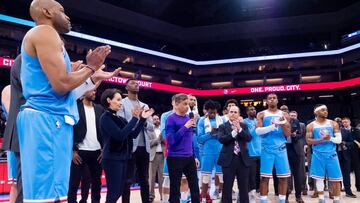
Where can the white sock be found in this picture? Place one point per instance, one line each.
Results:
(336, 198)
(183, 195)
(321, 196)
(282, 197)
(203, 199)
(166, 197)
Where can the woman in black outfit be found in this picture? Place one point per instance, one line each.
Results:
(117, 137)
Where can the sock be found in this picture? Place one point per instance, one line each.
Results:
(166, 197)
(203, 199)
(183, 195)
(336, 198)
(282, 198)
(321, 196)
(263, 199)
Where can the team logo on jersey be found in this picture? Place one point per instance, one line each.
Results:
(324, 133)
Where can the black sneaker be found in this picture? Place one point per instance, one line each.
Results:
(351, 195)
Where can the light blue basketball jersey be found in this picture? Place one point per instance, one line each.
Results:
(321, 130)
(275, 139)
(38, 92)
(254, 145)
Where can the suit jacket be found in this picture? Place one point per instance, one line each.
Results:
(154, 141)
(80, 129)
(227, 151)
(297, 140)
(347, 143)
(11, 140)
(126, 113)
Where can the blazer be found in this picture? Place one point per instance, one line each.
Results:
(11, 140)
(80, 129)
(297, 141)
(126, 113)
(118, 135)
(227, 150)
(154, 141)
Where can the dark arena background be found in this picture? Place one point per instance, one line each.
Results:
(305, 51)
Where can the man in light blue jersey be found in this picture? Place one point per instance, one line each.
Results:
(323, 134)
(254, 147)
(46, 119)
(273, 126)
(208, 136)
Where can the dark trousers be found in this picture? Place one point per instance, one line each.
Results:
(177, 166)
(254, 176)
(345, 165)
(296, 167)
(116, 176)
(138, 163)
(19, 198)
(355, 162)
(89, 158)
(237, 168)
(85, 184)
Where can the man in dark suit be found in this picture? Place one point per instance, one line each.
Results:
(295, 151)
(87, 148)
(344, 153)
(11, 141)
(234, 157)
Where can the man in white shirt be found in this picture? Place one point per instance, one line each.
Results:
(87, 148)
(156, 158)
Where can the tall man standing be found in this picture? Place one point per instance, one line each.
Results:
(324, 134)
(50, 107)
(273, 125)
(141, 145)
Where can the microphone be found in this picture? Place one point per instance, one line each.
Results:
(191, 115)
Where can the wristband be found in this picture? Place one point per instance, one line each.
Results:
(89, 67)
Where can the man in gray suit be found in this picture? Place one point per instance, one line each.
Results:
(157, 147)
(141, 144)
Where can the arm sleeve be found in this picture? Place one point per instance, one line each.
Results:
(337, 139)
(79, 91)
(264, 130)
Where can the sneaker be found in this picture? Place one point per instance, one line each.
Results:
(315, 195)
(216, 195)
(321, 200)
(299, 200)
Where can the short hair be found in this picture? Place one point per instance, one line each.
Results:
(231, 101)
(130, 79)
(271, 94)
(180, 97)
(108, 93)
(293, 112)
(346, 118)
(249, 107)
(210, 104)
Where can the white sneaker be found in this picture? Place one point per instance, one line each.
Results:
(216, 195)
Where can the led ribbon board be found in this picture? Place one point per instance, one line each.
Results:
(185, 60)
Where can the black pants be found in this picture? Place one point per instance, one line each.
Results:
(138, 163)
(355, 163)
(116, 176)
(254, 176)
(89, 158)
(296, 167)
(237, 168)
(85, 184)
(19, 198)
(345, 165)
(177, 166)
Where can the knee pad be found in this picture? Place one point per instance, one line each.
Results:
(206, 178)
(221, 177)
(166, 182)
(320, 185)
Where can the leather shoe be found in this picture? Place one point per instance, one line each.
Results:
(351, 195)
(299, 200)
(315, 195)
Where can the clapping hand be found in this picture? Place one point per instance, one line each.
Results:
(95, 59)
(101, 75)
(147, 113)
(136, 112)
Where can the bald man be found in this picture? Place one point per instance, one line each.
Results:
(45, 122)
